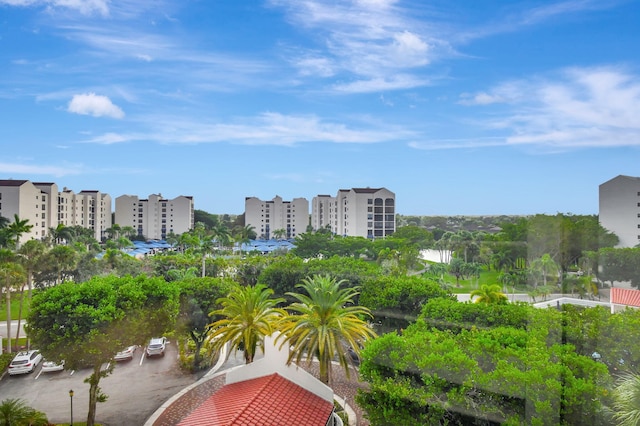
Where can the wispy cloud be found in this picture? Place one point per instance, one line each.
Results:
(268, 128)
(86, 7)
(95, 105)
(578, 107)
(375, 42)
(40, 169)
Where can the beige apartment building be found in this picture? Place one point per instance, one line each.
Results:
(356, 212)
(363, 212)
(619, 209)
(277, 218)
(45, 207)
(155, 217)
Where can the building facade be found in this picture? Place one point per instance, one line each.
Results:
(619, 209)
(45, 207)
(364, 212)
(155, 217)
(277, 218)
(323, 212)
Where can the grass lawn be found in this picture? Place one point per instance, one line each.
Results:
(470, 284)
(15, 306)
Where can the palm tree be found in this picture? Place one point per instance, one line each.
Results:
(249, 314)
(243, 235)
(489, 293)
(11, 275)
(626, 400)
(324, 323)
(17, 228)
(545, 266)
(30, 257)
(279, 234)
(220, 233)
(17, 412)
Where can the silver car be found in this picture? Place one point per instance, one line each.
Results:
(126, 354)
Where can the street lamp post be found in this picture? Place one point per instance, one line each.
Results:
(71, 396)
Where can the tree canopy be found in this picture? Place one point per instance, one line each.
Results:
(85, 324)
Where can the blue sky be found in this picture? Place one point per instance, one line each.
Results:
(462, 107)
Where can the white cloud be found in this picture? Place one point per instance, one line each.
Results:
(86, 7)
(579, 107)
(39, 170)
(95, 105)
(380, 84)
(374, 41)
(268, 128)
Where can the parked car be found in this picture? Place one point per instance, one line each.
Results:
(156, 346)
(25, 362)
(49, 366)
(126, 354)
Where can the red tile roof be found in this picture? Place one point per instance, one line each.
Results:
(625, 296)
(268, 400)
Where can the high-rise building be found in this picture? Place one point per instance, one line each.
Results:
(619, 209)
(364, 212)
(155, 217)
(44, 207)
(277, 218)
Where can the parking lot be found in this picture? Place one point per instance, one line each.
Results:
(135, 389)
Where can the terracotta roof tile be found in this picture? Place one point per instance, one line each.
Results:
(625, 296)
(268, 400)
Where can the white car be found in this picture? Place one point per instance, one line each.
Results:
(49, 366)
(25, 362)
(126, 354)
(156, 346)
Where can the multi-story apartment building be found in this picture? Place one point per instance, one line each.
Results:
(364, 212)
(44, 207)
(277, 218)
(323, 212)
(155, 217)
(619, 209)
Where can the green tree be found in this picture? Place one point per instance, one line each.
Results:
(468, 373)
(415, 235)
(198, 297)
(12, 276)
(85, 323)
(15, 412)
(399, 296)
(546, 267)
(324, 323)
(248, 315)
(489, 293)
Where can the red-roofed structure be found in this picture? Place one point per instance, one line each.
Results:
(267, 400)
(268, 391)
(624, 296)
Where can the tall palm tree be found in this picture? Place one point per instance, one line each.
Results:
(489, 293)
(325, 324)
(249, 314)
(626, 400)
(12, 274)
(546, 267)
(30, 257)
